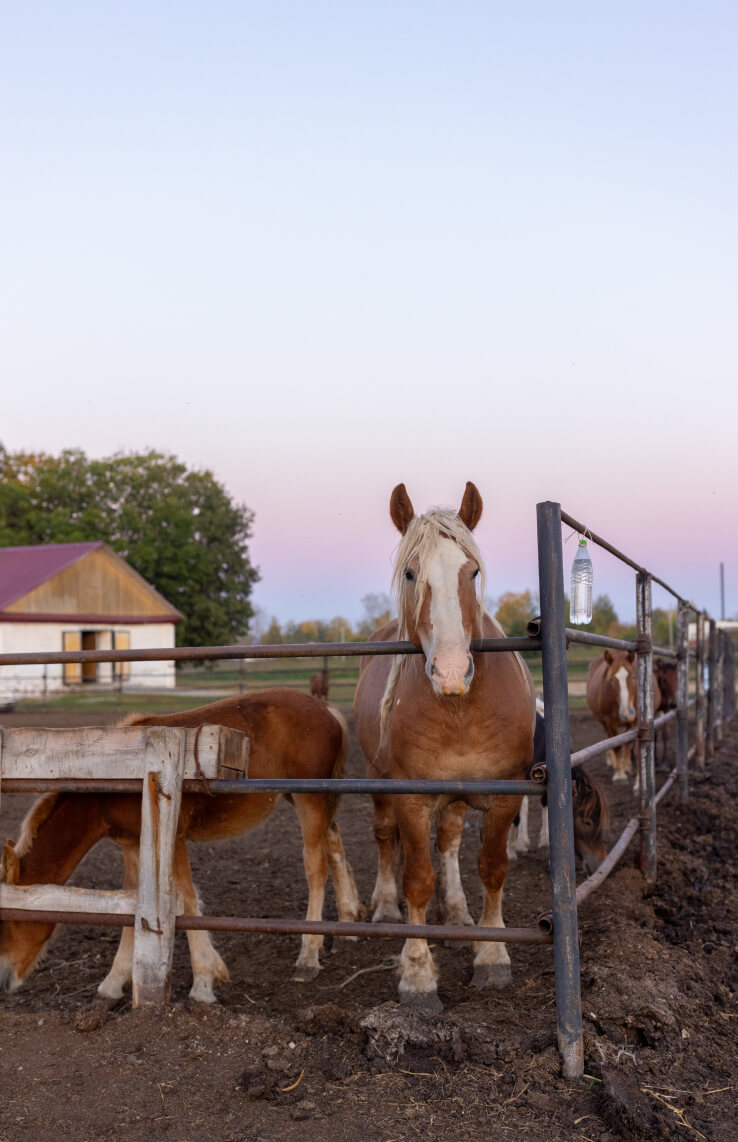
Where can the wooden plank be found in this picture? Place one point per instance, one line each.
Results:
(156, 907)
(118, 751)
(61, 898)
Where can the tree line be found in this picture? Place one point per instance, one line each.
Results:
(178, 527)
(513, 610)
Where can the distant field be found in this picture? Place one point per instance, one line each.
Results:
(197, 685)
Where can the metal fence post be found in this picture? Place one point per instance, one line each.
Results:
(699, 744)
(718, 706)
(710, 741)
(728, 678)
(558, 761)
(646, 768)
(683, 699)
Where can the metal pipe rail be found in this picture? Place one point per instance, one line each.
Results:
(269, 925)
(258, 650)
(244, 785)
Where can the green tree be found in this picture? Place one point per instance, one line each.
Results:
(273, 636)
(176, 526)
(604, 618)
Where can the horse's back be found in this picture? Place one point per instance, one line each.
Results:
(291, 733)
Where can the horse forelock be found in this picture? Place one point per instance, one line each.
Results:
(419, 543)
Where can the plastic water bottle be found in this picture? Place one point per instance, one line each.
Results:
(580, 607)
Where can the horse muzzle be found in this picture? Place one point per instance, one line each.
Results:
(450, 675)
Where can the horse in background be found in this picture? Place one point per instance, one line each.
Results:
(320, 683)
(291, 734)
(666, 680)
(590, 809)
(444, 714)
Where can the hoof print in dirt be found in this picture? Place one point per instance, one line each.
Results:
(492, 976)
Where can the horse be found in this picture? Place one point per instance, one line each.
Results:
(319, 684)
(666, 680)
(444, 714)
(589, 807)
(291, 734)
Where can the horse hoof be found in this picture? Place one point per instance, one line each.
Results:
(618, 777)
(492, 975)
(385, 915)
(425, 1001)
(305, 974)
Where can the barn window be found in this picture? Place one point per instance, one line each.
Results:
(121, 641)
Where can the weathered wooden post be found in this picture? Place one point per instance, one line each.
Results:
(699, 744)
(683, 699)
(558, 761)
(156, 906)
(646, 768)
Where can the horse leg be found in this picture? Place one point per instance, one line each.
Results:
(120, 974)
(348, 902)
(385, 904)
(314, 814)
(543, 837)
(522, 840)
(622, 763)
(418, 972)
(452, 905)
(208, 967)
(491, 961)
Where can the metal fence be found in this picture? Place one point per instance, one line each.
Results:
(714, 703)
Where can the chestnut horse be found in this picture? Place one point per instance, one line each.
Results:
(292, 735)
(444, 714)
(320, 684)
(612, 696)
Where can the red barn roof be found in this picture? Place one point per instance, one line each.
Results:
(23, 568)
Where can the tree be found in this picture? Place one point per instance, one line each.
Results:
(514, 612)
(177, 527)
(273, 636)
(378, 609)
(604, 618)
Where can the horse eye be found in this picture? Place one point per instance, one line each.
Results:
(475, 572)
(410, 576)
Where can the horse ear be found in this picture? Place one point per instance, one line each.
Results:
(401, 509)
(9, 864)
(608, 656)
(470, 511)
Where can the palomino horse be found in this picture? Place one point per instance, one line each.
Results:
(612, 696)
(320, 684)
(292, 735)
(445, 714)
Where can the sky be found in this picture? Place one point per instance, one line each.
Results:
(319, 249)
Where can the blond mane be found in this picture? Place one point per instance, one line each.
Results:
(36, 816)
(418, 543)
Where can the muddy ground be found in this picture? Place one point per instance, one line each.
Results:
(337, 1059)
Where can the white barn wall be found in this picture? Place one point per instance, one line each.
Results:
(29, 638)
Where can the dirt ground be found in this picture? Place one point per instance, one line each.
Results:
(338, 1059)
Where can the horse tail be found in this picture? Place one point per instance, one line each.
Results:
(339, 763)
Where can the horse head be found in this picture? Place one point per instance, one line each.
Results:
(620, 675)
(436, 573)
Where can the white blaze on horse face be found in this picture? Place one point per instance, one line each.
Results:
(626, 710)
(449, 664)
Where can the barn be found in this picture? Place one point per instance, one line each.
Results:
(79, 596)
